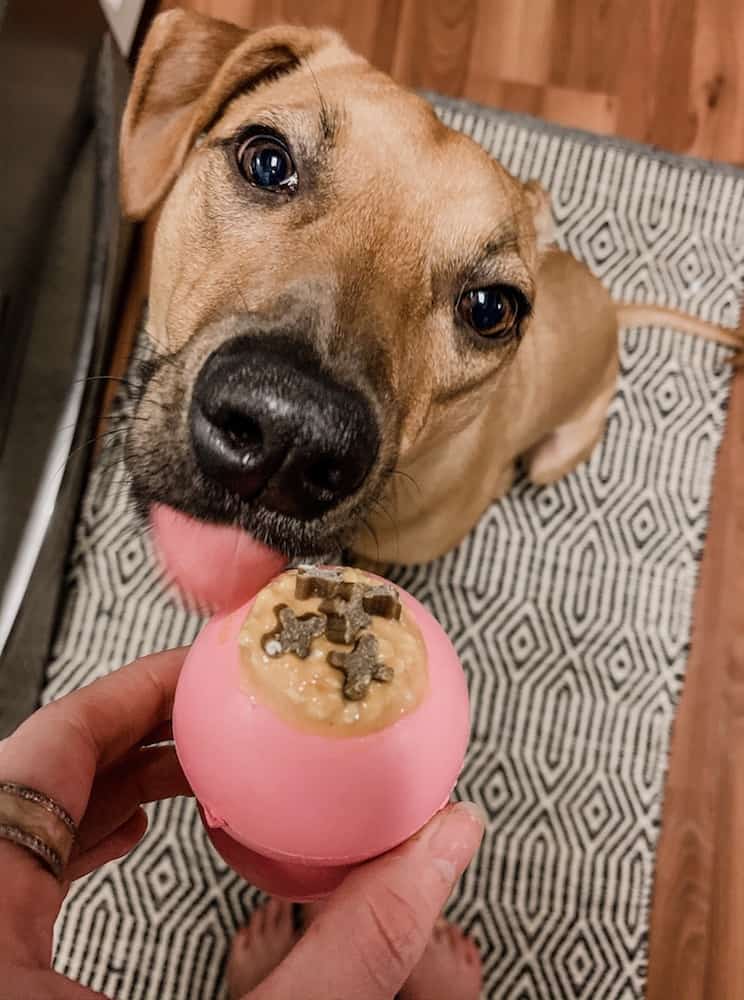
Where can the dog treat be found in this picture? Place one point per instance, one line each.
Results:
(346, 613)
(294, 634)
(361, 666)
(381, 599)
(317, 581)
(310, 756)
(288, 639)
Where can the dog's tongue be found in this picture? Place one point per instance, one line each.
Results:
(215, 565)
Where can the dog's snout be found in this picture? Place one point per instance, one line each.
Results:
(268, 422)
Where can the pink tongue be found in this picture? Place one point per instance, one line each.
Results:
(214, 565)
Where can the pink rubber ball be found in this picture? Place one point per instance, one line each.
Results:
(290, 809)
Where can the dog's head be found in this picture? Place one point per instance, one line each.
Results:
(336, 276)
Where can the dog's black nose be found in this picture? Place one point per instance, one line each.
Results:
(267, 419)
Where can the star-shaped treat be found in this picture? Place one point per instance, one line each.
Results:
(361, 666)
(317, 581)
(294, 634)
(346, 614)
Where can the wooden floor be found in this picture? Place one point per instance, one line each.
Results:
(668, 72)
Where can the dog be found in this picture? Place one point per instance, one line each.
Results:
(361, 320)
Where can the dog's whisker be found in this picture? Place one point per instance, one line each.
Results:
(112, 452)
(123, 481)
(109, 378)
(395, 526)
(379, 505)
(172, 362)
(375, 537)
(119, 491)
(409, 478)
(86, 444)
(242, 296)
(130, 418)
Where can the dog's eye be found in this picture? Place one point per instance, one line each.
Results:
(265, 161)
(492, 311)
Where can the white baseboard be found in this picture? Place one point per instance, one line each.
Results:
(123, 17)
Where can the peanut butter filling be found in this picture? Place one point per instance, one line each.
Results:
(331, 661)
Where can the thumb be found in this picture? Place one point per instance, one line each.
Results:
(373, 930)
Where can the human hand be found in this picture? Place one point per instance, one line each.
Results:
(373, 930)
(93, 753)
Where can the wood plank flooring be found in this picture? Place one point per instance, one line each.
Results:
(669, 72)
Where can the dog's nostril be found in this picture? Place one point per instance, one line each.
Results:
(325, 475)
(243, 430)
(269, 424)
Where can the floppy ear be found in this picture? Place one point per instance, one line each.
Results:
(189, 67)
(539, 201)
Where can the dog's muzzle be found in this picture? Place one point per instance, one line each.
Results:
(269, 423)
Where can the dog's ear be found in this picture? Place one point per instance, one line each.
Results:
(538, 201)
(188, 69)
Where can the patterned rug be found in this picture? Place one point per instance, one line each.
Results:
(570, 607)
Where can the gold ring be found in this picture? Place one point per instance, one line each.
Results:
(34, 821)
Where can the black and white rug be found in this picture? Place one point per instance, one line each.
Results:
(570, 607)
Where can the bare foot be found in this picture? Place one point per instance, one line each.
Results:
(259, 947)
(450, 967)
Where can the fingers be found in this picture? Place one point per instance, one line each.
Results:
(373, 930)
(146, 775)
(59, 748)
(115, 845)
(116, 712)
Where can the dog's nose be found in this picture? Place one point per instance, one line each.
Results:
(267, 419)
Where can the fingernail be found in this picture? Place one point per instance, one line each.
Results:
(475, 810)
(456, 837)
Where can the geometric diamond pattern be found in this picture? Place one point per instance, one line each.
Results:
(569, 605)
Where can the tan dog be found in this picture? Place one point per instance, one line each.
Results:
(363, 324)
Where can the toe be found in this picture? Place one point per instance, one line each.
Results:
(261, 917)
(259, 947)
(472, 953)
(450, 967)
(284, 919)
(240, 959)
(272, 911)
(440, 932)
(242, 939)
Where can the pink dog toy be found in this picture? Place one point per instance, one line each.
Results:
(321, 724)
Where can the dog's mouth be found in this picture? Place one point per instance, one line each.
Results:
(218, 550)
(266, 459)
(220, 564)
